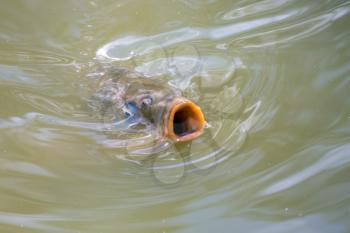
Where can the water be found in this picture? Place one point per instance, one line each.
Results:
(272, 77)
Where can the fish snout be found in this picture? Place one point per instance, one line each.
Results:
(184, 120)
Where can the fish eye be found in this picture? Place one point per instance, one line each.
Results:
(147, 101)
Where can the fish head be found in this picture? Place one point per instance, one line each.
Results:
(176, 117)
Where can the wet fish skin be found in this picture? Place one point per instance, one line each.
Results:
(138, 96)
(120, 86)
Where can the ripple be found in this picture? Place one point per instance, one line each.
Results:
(34, 116)
(25, 167)
(32, 221)
(255, 8)
(147, 149)
(33, 57)
(123, 49)
(270, 76)
(12, 74)
(335, 158)
(288, 34)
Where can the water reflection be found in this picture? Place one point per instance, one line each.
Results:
(272, 78)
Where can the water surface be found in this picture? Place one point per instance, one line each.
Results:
(272, 77)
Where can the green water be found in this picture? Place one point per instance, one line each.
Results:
(272, 77)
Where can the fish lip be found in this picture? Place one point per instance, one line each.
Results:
(193, 118)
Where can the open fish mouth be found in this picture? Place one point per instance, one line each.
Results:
(184, 120)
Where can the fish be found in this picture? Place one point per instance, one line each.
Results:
(136, 97)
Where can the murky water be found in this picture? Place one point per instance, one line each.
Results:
(272, 77)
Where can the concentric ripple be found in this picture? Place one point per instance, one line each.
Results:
(272, 78)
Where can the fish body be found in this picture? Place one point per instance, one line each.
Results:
(137, 97)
